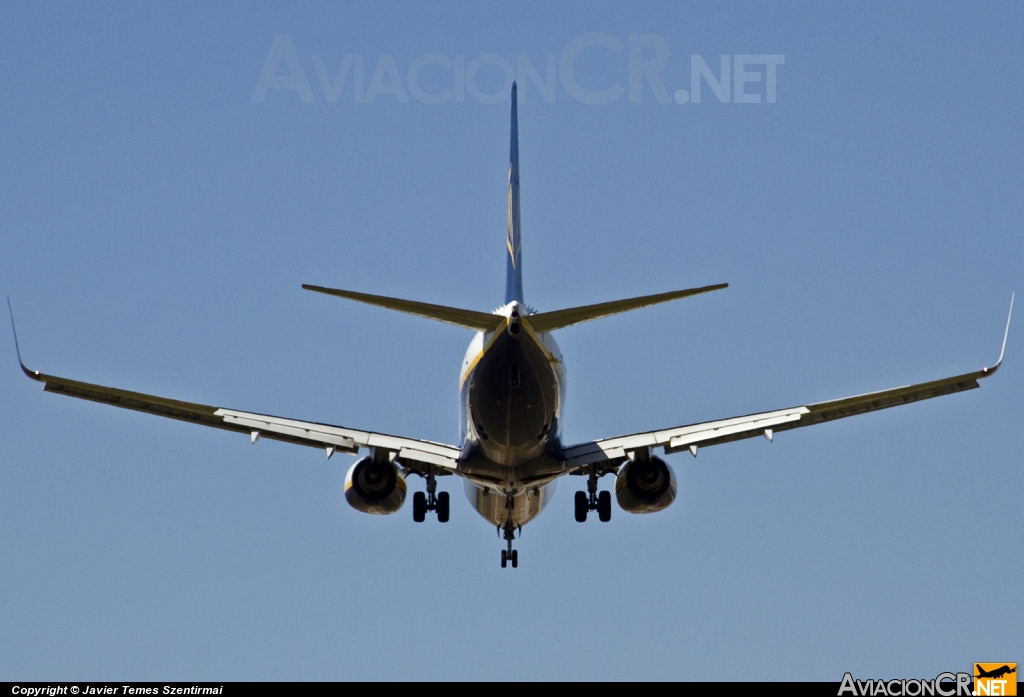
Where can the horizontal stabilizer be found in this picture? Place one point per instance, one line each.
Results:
(549, 321)
(471, 319)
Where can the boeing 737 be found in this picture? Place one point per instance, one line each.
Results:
(512, 388)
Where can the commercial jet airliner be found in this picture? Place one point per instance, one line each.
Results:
(512, 388)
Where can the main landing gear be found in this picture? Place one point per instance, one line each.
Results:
(430, 501)
(591, 500)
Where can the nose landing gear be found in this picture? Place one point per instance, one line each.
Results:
(509, 555)
(591, 500)
(508, 531)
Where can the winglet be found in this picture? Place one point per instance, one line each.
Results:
(1006, 333)
(34, 374)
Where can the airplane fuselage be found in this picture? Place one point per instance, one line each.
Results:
(512, 388)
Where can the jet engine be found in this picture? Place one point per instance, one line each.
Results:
(645, 485)
(374, 486)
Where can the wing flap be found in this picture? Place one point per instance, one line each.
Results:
(429, 458)
(718, 431)
(295, 431)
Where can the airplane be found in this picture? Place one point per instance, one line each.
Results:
(996, 673)
(512, 392)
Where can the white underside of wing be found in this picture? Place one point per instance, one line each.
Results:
(344, 439)
(694, 435)
(328, 435)
(681, 436)
(765, 424)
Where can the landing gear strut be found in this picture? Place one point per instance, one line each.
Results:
(591, 500)
(509, 533)
(430, 501)
(509, 555)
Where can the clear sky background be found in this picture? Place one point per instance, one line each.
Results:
(156, 225)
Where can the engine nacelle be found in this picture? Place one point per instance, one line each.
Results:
(645, 486)
(374, 487)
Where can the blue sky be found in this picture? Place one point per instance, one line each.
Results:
(156, 224)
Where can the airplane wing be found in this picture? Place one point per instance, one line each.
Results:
(330, 438)
(410, 451)
(701, 435)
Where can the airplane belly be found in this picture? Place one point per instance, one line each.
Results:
(512, 400)
(495, 506)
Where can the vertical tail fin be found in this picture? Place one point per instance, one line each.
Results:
(514, 270)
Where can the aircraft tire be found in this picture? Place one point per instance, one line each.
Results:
(604, 506)
(515, 558)
(581, 506)
(504, 559)
(444, 507)
(419, 507)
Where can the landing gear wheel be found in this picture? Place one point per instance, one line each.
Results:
(604, 506)
(582, 504)
(508, 531)
(419, 507)
(443, 507)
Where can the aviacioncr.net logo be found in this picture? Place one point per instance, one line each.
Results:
(943, 685)
(995, 679)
